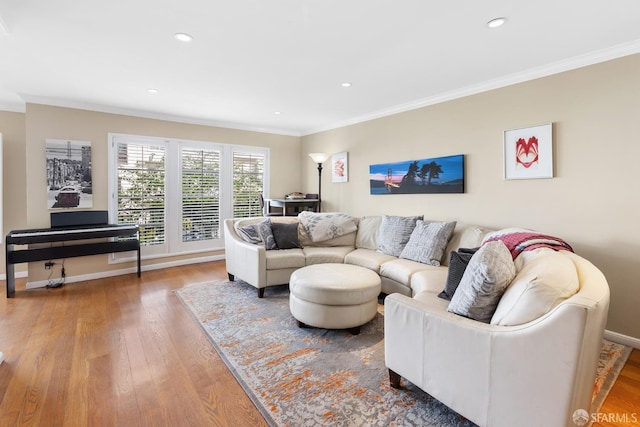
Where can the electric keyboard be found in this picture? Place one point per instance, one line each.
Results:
(44, 235)
(69, 233)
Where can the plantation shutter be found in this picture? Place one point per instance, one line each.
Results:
(141, 190)
(248, 182)
(200, 194)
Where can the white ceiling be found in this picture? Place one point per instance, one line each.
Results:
(251, 58)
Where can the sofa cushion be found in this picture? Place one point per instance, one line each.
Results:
(367, 258)
(401, 270)
(458, 261)
(428, 242)
(395, 232)
(285, 258)
(488, 274)
(326, 255)
(266, 235)
(545, 279)
(285, 235)
(464, 236)
(368, 231)
(431, 280)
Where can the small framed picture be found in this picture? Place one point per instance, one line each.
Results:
(528, 152)
(340, 167)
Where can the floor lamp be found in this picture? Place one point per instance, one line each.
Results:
(319, 158)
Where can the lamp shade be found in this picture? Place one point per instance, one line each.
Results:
(319, 157)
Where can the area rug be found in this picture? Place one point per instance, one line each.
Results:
(321, 377)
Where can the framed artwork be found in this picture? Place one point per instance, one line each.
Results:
(528, 152)
(340, 167)
(425, 176)
(69, 183)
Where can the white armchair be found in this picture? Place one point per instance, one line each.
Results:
(534, 374)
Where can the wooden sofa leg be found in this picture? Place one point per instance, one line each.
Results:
(261, 292)
(394, 379)
(231, 277)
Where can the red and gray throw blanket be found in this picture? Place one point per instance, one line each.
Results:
(518, 241)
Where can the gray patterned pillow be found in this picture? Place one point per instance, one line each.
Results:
(264, 230)
(428, 242)
(485, 279)
(249, 233)
(395, 232)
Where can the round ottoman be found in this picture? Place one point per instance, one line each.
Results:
(334, 296)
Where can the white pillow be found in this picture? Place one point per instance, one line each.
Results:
(545, 279)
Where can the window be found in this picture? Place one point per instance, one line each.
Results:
(179, 192)
(200, 194)
(248, 182)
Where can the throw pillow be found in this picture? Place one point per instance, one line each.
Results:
(458, 261)
(428, 242)
(249, 233)
(395, 232)
(285, 235)
(488, 274)
(545, 279)
(264, 230)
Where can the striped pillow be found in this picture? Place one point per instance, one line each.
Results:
(395, 232)
(428, 242)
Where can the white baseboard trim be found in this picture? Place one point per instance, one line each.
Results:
(111, 273)
(622, 339)
(17, 275)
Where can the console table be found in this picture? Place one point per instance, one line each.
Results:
(292, 203)
(66, 234)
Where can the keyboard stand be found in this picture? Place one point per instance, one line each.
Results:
(26, 237)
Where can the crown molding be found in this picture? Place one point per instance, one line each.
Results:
(591, 58)
(57, 102)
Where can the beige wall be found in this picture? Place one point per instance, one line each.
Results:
(41, 122)
(593, 202)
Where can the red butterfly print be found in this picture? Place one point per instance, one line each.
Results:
(527, 152)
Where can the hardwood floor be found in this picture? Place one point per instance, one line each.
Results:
(123, 351)
(115, 352)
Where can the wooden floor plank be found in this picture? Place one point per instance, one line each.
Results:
(124, 351)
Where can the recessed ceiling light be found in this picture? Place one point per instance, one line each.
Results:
(346, 84)
(183, 37)
(152, 90)
(496, 22)
(277, 113)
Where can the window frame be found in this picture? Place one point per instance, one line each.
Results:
(174, 246)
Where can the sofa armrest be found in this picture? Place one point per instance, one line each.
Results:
(495, 375)
(244, 259)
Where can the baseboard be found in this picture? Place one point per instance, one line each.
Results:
(622, 339)
(112, 273)
(17, 275)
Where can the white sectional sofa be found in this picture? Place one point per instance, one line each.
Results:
(532, 362)
(262, 268)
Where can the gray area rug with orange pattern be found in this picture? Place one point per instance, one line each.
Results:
(321, 377)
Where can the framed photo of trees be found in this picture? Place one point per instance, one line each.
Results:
(69, 183)
(426, 176)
